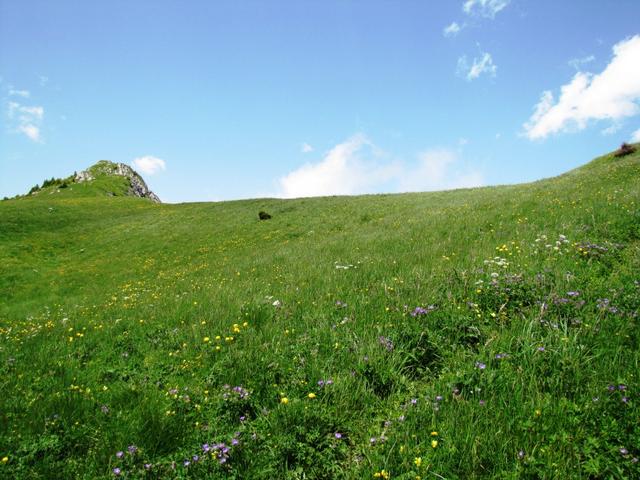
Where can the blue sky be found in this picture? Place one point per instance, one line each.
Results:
(238, 99)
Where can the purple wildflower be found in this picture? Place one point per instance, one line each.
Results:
(439, 398)
(120, 454)
(132, 449)
(338, 435)
(117, 472)
(147, 466)
(540, 349)
(385, 342)
(422, 311)
(481, 365)
(414, 401)
(482, 403)
(186, 463)
(240, 392)
(624, 451)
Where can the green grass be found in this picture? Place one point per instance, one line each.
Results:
(124, 322)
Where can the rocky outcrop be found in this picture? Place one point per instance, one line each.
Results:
(137, 186)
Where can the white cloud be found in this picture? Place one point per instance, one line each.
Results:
(357, 166)
(610, 95)
(25, 120)
(436, 170)
(635, 136)
(43, 80)
(451, 30)
(578, 62)
(30, 131)
(148, 164)
(484, 8)
(306, 148)
(19, 93)
(611, 129)
(481, 65)
(343, 171)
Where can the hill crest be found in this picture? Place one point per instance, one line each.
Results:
(137, 186)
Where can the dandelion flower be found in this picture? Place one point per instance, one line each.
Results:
(284, 400)
(417, 461)
(434, 443)
(312, 396)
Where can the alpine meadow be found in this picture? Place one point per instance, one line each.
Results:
(473, 333)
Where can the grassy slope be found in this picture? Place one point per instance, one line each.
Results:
(110, 308)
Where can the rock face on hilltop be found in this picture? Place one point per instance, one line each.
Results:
(137, 186)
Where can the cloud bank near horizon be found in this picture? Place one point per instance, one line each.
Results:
(358, 166)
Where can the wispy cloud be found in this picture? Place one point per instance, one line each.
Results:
(577, 63)
(149, 165)
(484, 8)
(611, 129)
(452, 30)
(25, 119)
(19, 93)
(357, 166)
(635, 136)
(483, 64)
(306, 148)
(612, 94)
(438, 169)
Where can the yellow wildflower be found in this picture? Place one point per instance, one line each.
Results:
(418, 461)
(312, 395)
(284, 400)
(434, 443)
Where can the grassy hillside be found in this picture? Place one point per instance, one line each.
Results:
(482, 333)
